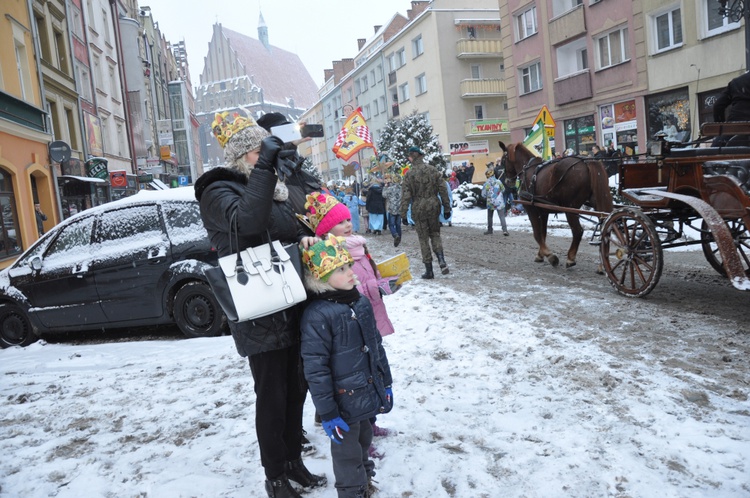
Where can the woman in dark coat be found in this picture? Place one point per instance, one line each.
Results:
(375, 206)
(248, 188)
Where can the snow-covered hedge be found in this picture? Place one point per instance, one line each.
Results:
(468, 195)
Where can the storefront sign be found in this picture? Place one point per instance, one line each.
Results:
(472, 147)
(118, 179)
(93, 134)
(96, 167)
(164, 130)
(165, 153)
(487, 126)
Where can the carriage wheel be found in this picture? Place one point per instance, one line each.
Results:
(631, 252)
(741, 238)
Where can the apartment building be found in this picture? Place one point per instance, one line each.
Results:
(25, 173)
(616, 72)
(443, 60)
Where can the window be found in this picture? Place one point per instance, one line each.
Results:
(22, 63)
(714, 22)
(382, 104)
(421, 83)
(526, 24)
(613, 48)
(562, 6)
(403, 92)
(380, 73)
(97, 73)
(366, 112)
(476, 72)
(401, 58)
(531, 78)
(112, 82)
(44, 42)
(61, 51)
(71, 122)
(365, 84)
(105, 27)
(392, 63)
(667, 29)
(357, 87)
(104, 121)
(121, 147)
(478, 111)
(572, 57)
(417, 48)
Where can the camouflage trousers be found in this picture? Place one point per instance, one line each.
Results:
(428, 231)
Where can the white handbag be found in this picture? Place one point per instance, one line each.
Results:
(257, 281)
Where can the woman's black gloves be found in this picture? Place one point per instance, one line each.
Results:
(269, 151)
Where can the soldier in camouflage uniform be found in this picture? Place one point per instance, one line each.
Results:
(421, 187)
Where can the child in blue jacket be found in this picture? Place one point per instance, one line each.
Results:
(345, 364)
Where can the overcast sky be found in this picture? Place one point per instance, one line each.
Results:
(318, 31)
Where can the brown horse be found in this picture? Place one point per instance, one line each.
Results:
(568, 182)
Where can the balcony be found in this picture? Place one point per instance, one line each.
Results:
(573, 88)
(468, 48)
(486, 127)
(568, 26)
(394, 111)
(483, 88)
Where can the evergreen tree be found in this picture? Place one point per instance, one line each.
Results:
(399, 135)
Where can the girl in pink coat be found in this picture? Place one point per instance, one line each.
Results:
(327, 215)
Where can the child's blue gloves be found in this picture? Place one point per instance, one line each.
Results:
(389, 395)
(334, 427)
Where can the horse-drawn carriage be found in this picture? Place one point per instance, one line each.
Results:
(669, 192)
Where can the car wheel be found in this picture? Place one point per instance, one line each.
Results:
(15, 327)
(196, 311)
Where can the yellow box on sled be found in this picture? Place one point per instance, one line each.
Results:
(396, 266)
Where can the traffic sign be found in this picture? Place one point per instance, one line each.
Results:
(546, 118)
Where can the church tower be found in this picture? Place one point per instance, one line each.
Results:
(263, 32)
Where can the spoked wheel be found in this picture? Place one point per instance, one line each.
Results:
(741, 241)
(631, 252)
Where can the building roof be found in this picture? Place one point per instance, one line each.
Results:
(279, 73)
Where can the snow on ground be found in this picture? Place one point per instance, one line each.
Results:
(488, 404)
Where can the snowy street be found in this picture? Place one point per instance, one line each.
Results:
(511, 379)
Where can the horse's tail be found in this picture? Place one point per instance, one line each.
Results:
(602, 196)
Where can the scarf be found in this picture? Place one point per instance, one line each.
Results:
(347, 297)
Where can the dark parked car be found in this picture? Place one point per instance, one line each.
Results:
(133, 262)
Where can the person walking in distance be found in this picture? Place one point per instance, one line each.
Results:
(425, 189)
(40, 219)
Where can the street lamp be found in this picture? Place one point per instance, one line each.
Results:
(735, 10)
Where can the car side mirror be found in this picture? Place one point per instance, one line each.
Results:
(36, 263)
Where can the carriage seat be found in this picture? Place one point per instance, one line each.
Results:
(709, 151)
(738, 168)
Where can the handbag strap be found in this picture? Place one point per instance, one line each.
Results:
(238, 266)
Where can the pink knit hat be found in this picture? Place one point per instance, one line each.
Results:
(325, 212)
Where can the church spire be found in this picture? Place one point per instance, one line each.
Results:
(263, 32)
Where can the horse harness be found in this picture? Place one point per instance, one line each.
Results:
(528, 190)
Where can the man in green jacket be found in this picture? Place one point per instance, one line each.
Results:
(425, 190)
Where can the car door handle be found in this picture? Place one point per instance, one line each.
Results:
(80, 269)
(156, 255)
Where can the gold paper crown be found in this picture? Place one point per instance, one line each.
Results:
(325, 256)
(318, 205)
(225, 126)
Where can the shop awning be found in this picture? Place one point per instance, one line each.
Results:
(83, 178)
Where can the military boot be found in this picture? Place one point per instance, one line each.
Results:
(428, 271)
(443, 265)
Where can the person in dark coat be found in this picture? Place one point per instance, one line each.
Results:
(736, 98)
(249, 189)
(40, 218)
(425, 190)
(375, 206)
(344, 362)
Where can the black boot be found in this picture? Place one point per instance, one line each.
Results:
(443, 265)
(297, 472)
(489, 222)
(396, 240)
(280, 488)
(428, 271)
